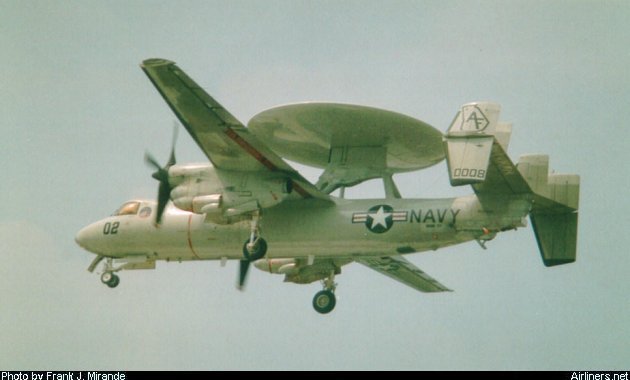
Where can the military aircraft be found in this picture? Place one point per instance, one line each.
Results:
(248, 204)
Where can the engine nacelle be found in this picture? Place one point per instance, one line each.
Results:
(224, 196)
(191, 181)
(207, 204)
(259, 193)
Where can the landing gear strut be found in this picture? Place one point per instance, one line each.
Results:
(108, 277)
(255, 247)
(324, 301)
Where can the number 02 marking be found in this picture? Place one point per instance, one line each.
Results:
(111, 228)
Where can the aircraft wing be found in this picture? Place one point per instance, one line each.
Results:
(224, 140)
(403, 271)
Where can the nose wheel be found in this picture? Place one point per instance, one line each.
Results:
(110, 279)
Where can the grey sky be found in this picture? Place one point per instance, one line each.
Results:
(78, 114)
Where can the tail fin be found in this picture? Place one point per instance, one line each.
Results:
(469, 141)
(476, 145)
(554, 213)
(556, 191)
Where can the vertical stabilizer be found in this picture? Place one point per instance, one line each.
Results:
(554, 213)
(556, 235)
(468, 142)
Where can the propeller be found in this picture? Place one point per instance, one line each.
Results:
(161, 174)
(242, 273)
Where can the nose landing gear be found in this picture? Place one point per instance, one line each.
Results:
(108, 277)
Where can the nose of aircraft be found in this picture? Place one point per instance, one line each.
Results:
(85, 238)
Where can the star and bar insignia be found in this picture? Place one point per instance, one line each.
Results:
(380, 218)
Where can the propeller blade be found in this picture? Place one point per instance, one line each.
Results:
(151, 161)
(164, 194)
(242, 273)
(161, 174)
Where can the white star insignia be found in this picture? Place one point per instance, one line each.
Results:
(379, 218)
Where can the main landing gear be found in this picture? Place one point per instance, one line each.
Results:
(324, 301)
(255, 247)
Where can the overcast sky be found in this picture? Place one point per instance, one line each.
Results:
(77, 115)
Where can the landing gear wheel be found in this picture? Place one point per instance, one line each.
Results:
(107, 277)
(324, 301)
(114, 282)
(257, 251)
(110, 279)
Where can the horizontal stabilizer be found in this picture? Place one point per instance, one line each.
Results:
(503, 178)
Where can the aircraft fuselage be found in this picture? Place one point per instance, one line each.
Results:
(306, 228)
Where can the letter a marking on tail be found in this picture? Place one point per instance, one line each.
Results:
(473, 119)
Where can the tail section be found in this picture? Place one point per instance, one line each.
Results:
(475, 147)
(476, 144)
(554, 191)
(469, 141)
(554, 213)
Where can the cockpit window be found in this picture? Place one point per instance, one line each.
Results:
(129, 208)
(145, 212)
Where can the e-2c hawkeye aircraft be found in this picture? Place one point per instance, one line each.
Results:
(248, 204)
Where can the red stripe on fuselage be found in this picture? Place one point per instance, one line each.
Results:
(189, 238)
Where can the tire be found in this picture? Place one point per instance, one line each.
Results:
(115, 280)
(260, 249)
(324, 301)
